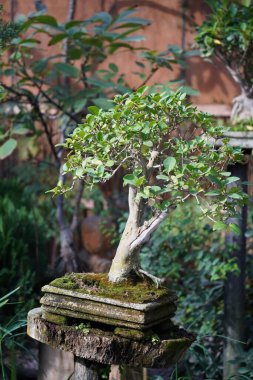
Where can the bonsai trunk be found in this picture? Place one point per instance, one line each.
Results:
(126, 263)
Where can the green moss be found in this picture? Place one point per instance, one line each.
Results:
(131, 333)
(55, 318)
(98, 285)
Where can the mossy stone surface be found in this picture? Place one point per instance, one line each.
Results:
(104, 346)
(98, 285)
(55, 318)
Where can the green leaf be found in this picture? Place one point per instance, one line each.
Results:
(219, 226)
(235, 196)
(162, 177)
(20, 131)
(225, 174)
(39, 65)
(148, 143)
(113, 67)
(246, 3)
(93, 110)
(232, 179)
(141, 90)
(169, 163)
(129, 179)
(234, 228)
(7, 148)
(212, 193)
(45, 19)
(139, 181)
(75, 54)
(155, 189)
(103, 103)
(67, 69)
(105, 17)
(57, 38)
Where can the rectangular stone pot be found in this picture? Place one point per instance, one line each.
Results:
(73, 304)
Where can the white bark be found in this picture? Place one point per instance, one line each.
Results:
(147, 232)
(126, 261)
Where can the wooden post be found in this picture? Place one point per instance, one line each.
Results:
(234, 297)
(85, 370)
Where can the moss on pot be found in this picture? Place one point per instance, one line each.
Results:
(98, 285)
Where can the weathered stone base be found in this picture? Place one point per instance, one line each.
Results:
(69, 304)
(106, 347)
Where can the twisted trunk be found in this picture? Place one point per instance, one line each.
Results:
(126, 263)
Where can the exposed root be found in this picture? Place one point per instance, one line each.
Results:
(158, 281)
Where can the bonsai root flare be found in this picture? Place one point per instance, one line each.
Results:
(158, 281)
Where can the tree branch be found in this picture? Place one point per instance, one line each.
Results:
(78, 197)
(153, 71)
(35, 105)
(146, 233)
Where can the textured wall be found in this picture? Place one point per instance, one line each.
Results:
(167, 27)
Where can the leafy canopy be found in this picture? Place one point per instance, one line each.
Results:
(166, 147)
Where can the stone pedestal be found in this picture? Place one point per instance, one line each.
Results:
(102, 345)
(105, 323)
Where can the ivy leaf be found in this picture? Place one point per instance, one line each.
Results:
(7, 148)
(169, 163)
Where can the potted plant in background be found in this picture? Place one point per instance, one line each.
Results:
(227, 34)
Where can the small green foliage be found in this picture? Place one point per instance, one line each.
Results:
(166, 148)
(84, 327)
(155, 338)
(7, 32)
(227, 33)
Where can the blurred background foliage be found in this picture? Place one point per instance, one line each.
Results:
(195, 262)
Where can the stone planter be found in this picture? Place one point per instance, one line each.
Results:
(60, 304)
(101, 322)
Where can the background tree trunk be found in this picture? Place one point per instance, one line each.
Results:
(234, 302)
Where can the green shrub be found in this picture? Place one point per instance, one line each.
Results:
(23, 245)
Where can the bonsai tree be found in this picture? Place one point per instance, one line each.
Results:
(227, 34)
(166, 148)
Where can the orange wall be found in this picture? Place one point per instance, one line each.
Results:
(212, 80)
